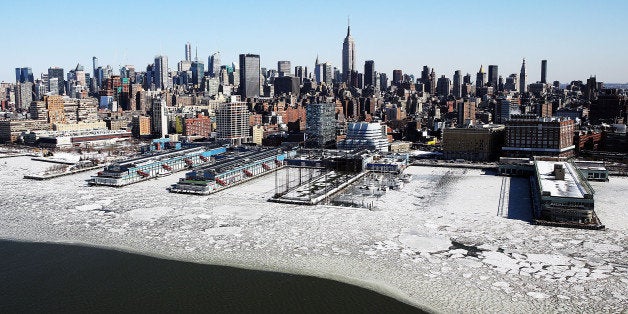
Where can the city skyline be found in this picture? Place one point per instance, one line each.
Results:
(470, 35)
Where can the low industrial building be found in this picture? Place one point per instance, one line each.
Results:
(231, 169)
(153, 165)
(563, 197)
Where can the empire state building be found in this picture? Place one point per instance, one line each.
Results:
(348, 56)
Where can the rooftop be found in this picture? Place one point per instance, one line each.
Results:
(572, 185)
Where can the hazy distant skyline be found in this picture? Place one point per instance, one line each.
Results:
(578, 38)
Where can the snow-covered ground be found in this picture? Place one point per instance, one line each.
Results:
(437, 243)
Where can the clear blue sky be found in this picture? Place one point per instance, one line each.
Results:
(578, 38)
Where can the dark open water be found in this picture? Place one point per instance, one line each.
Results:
(56, 278)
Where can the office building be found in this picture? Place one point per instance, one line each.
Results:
(188, 52)
(544, 71)
(493, 76)
(198, 72)
(213, 64)
(369, 73)
(283, 68)
(523, 77)
(481, 78)
(397, 77)
(23, 75)
(249, 76)
(56, 72)
(457, 85)
(348, 56)
(443, 86)
(160, 70)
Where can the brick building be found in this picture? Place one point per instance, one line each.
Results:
(528, 135)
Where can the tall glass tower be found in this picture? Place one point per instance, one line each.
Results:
(249, 75)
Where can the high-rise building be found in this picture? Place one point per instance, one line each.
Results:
(523, 77)
(348, 56)
(383, 81)
(511, 83)
(283, 68)
(23, 95)
(544, 71)
(493, 76)
(249, 76)
(457, 90)
(198, 72)
(23, 75)
(320, 125)
(443, 86)
(481, 78)
(298, 72)
(369, 73)
(232, 122)
(159, 118)
(397, 76)
(161, 72)
(425, 76)
(56, 73)
(188, 52)
(328, 74)
(213, 64)
(94, 66)
(432, 82)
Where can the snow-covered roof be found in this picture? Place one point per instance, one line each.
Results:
(571, 186)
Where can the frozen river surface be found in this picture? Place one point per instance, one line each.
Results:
(440, 242)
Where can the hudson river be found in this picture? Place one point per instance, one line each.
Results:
(45, 278)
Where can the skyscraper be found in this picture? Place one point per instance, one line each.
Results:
(232, 122)
(56, 73)
(523, 87)
(443, 86)
(94, 66)
(320, 124)
(369, 73)
(348, 56)
(249, 75)
(397, 76)
(283, 68)
(457, 91)
(213, 64)
(161, 72)
(544, 71)
(481, 78)
(23, 75)
(188, 52)
(198, 72)
(159, 118)
(328, 74)
(493, 76)
(383, 81)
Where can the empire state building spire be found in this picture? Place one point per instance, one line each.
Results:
(348, 55)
